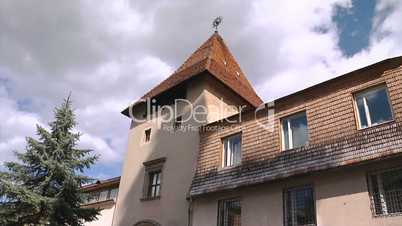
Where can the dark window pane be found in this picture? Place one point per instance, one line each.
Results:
(113, 193)
(229, 213)
(362, 112)
(380, 110)
(178, 123)
(392, 185)
(236, 147)
(376, 195)
(299, 130)
(300, 209)
(147, 135)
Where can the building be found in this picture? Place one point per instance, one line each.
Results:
(102, 195)
(161, 158)
(329, 155)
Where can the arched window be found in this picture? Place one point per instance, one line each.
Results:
(147, 223)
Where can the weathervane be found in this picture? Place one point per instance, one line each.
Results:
(216, 23)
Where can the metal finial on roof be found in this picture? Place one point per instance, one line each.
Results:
(217, 22)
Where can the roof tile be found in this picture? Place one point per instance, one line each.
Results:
(212, 56)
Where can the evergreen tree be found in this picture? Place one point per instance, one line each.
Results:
(43, 187)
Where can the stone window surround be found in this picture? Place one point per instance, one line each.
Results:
(152, 166)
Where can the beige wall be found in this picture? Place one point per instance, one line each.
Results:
(342, 199)
(180, 150)
(105, 218)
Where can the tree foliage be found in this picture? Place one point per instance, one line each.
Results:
(43, 186)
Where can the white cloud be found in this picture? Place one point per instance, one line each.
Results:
(14, 127)
(99, 146)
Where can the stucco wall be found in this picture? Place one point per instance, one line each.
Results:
(105, 218)
(342, 199)
(180, 149)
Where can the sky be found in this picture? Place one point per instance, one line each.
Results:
(109, 53)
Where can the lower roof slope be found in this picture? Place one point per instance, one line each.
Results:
(368, 145)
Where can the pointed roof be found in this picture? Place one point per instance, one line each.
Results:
(212, 56)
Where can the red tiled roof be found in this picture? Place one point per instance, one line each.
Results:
(212, 56)
(102, 184)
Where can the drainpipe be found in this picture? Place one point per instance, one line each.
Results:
(190, 211)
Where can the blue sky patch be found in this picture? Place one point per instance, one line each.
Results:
(354, 25)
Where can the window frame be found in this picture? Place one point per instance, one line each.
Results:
(93, 197)
(223, 157)
(153, 193)
(220, 202)
(153, 166)
(282, 133)
(96, 196)
(366, 90)
(284, 201)
(370, 189)
(110, 192)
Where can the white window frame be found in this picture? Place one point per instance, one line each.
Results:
(366, 109)
(224, 157)
(295, 115)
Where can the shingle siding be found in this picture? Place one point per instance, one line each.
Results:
(334, 139)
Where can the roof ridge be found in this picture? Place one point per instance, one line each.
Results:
(209, 55)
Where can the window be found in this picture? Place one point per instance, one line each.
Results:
(154, 186)
(93, 197)
(294, 131)
(101, 195)
(177, 123)
(153, 179)
(299, 207)
(147, 137)
(231, 150)
(229, 213)
(386, 192)
(373, 107)
(113, 193)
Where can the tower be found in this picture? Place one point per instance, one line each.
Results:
(163, 145)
